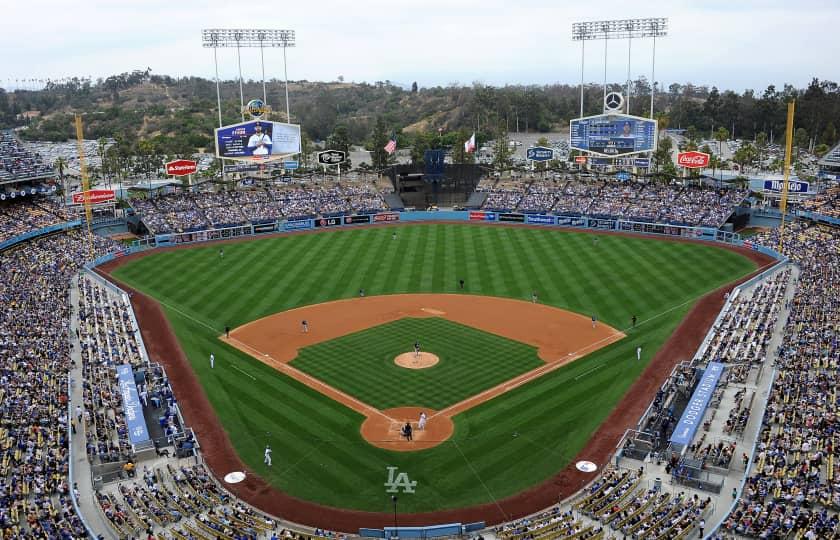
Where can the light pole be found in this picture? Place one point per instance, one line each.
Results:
(395, 534)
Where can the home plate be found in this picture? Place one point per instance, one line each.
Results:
(235, 477)
(586, 466)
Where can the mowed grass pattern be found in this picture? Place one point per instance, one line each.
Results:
(471, 360)
(500, 447)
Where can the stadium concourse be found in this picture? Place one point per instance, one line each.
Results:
(767, 452)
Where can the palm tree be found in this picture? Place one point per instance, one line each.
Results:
(722, 134)
(60, 164)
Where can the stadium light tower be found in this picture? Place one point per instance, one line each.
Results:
(619, 29)
(249, 38)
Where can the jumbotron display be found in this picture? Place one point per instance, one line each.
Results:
(613, 135)
(257, 139)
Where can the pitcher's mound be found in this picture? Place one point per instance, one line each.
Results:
(383, 430)
(411, 361)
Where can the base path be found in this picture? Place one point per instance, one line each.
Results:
(219, 454)
(560, 337)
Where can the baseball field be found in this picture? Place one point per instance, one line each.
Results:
(307, 395)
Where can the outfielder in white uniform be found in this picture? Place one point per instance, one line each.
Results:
(421, 425)
(212, 360)
(267, 456)
(639, 352)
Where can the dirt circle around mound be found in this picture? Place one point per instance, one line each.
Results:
(421, 360)
(384, 430)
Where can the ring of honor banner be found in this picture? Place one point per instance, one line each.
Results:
(257, 140)
(612, 135)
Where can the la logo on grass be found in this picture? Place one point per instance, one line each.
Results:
(397, 481)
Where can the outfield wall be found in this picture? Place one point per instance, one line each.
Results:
(593, 223)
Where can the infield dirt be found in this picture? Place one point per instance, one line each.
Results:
(560, 337)
(220, 456)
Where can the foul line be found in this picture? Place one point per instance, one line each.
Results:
(244, 372)
(487, 489)
(304, 378)
(587, 372)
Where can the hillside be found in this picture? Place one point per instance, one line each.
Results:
(177, 116)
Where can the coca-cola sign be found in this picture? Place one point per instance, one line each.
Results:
(693, 160)
(94, 196)
(181, 167)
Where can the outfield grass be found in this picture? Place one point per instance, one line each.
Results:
(471, 360)
(500, 447)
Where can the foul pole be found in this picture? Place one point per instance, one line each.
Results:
(788, 149)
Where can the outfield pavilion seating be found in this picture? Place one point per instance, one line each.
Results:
(186, 212)
(607, 198)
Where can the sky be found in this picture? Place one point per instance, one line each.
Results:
(732, 44)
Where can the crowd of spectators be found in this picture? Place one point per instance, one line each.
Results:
(826, 203)
(186, 212)
(674, 203)
(18, 217)
(34, 366)
(18, 163)
(793, 487)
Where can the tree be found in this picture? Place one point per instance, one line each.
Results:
(502, 152)
(744, 156)
(414, 87)
(379, 139)
(459, 152)
(542, 165)
(829, 134)
(800, 140)
(340, 140)
(760, 145)
(663, 164)
(721, 135)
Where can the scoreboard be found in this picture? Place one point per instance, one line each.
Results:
(612, 135)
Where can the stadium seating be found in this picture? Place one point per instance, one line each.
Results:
(793, 486)
(34, 366)
(693, 206)
(193, 211)
(17, 163)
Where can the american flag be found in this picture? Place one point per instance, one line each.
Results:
(391, 147)
(469, 146)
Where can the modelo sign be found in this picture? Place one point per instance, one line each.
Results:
(94, 196)
(693, 160)
(181, 167)
(794, 186)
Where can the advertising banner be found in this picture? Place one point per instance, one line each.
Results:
(95, 196)
(257, 139)
(693, 160)
(692, 416)
(356, 220)
(328, 222)
(133, 411)
(540, 219)
(384, 218)
(539, 153)
(265, 227)
(794, 186)
(571, 221)
(482, 216)
(512, 217)
(181, 167)
(296, 224)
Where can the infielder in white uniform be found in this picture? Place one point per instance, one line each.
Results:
(212, 360)
(421, 425)
(267, 456)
